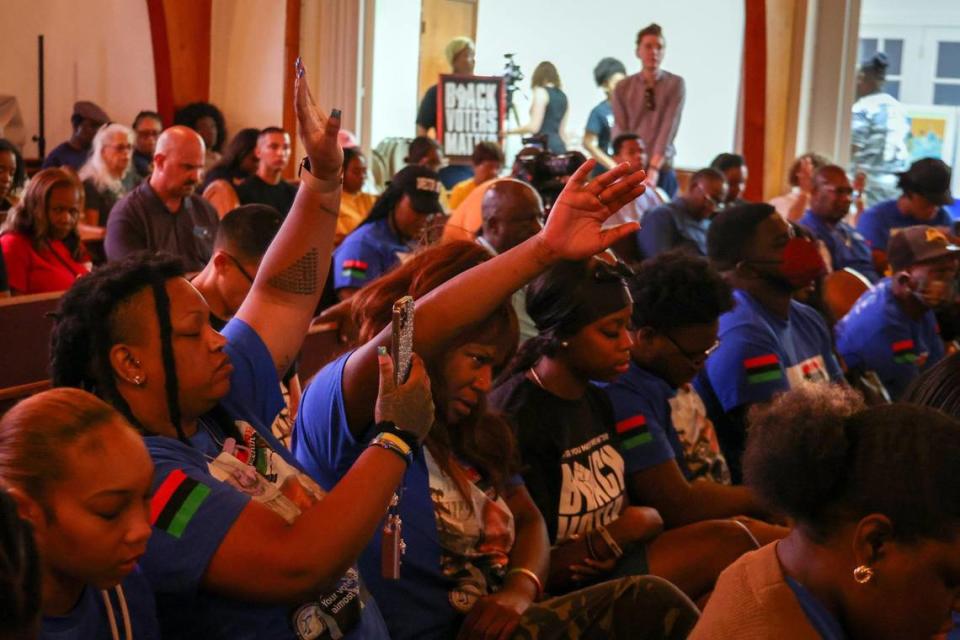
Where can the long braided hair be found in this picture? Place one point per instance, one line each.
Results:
(87, 326)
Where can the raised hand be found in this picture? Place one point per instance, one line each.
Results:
(573, 230)
(318, 133)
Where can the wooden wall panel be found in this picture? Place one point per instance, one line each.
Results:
(180, 34)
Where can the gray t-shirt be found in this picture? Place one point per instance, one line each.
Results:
(141, 221)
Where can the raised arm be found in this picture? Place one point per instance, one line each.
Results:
(288, 285)
(573, 232)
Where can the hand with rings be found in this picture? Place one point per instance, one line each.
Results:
(574, 228)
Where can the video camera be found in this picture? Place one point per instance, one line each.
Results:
(511, 76)
(544, 171)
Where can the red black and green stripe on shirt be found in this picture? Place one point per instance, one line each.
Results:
(633, 432)
(765, 368)
(355, 269)
(904, 352)
(176, 501)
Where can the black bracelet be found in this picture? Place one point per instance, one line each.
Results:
(408, 437)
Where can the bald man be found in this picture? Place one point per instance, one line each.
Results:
(164, 213)
(829, 204)
(512, 212)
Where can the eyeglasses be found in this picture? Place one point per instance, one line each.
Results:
(696, 358)
(240, 267)
(649, 99)
(121, 147)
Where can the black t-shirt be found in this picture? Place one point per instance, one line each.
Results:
(572, 467)
(280, 196)
(427, 113)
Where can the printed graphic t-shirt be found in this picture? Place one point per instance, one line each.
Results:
(199, 491)
(450, 558)
(572, 466)
(877, 335)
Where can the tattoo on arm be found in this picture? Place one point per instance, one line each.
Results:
(300, 277)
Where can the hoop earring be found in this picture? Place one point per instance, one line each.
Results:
(863, 574)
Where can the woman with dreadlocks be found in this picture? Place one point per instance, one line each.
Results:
(244, 545)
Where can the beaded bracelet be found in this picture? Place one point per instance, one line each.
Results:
(392, 443)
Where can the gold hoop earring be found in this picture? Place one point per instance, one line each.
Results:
(863, 574)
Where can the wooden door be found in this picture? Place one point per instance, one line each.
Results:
(440, 22)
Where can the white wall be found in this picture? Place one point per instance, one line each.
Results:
(246, 62)
(927, 13)
(99, 52)
(396, 63)
(704, 45)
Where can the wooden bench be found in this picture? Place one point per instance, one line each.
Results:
(25, 344)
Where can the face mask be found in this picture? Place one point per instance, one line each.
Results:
(801, 265)
(933, 293)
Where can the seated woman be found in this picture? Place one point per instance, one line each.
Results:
(395, 227)
(476, 550)
(80, 475)
(876, 501)
(243, 544)
(107, 175)
(12, 175)
(207, 120)
(548, 109)
(41, 246)
(355, 205)
(575, 458)
(238, 163)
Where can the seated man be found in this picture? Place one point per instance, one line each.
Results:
(829, 204)
(163, 213)
(86, 119)
(243, 238)
(487, 162)
(267, 185)
(683, 223)
(769, 342)
(512, 212)
(676, 302)
(926, 188)
(628, 147)
(892, 330)
(734, 170)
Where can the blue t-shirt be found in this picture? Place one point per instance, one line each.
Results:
(642, 398)
(600, 124)
(761, 354)
(669, 227)
(64, 155)
(846, 246)
(192, 511)
(366, 254)
(878, 335)
(418, 604)
(876, 222)
(89, 619)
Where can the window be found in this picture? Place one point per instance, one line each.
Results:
(893, 48)
(946, 84)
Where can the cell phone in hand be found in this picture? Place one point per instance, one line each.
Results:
(401, 340)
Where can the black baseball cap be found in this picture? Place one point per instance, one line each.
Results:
(912, 245)
(422, 185)
(929, 178)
